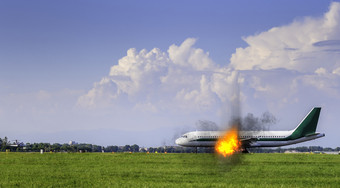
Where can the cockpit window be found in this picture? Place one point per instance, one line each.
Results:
(184, 136)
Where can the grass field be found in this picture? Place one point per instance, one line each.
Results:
(168, 170)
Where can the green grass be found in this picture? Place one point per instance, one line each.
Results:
(168, 170)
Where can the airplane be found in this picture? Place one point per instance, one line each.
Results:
(305, 131)
(16, 144)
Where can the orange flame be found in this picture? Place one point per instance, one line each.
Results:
(229, 143)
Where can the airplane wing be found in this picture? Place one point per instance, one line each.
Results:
(246, 142)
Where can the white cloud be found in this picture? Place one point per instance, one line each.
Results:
(101, 94)
(182, 78)
(303, 45)
(187, 56)
(202, 98)
(293, 65)
(327, 84)
(336, 71)
(321, 71)
(298, 63)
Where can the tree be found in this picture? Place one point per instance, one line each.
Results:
(65, 147)
(111, 149)
(96, 148)
(328, 149)
(160, 149)
(151, 149)
(315, 148)
(55, 147)
(302, 149)
(28, 146)
(135, 148)
(4, 143)
(126, 148)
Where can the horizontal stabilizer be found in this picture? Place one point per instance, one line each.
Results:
(312, 134)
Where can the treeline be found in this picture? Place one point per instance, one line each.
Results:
(56, 147)
(47, 147)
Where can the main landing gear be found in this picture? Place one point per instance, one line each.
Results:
(245, 150)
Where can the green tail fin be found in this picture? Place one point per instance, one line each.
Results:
(307, 125)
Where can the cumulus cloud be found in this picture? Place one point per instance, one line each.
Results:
(182, 78)
(287, 65)
(302, 45)
(187, 56)
(293, 63)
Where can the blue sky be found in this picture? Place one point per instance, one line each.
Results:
(44, 39)
(54, 53)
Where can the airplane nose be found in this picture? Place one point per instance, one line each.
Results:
(178, 141)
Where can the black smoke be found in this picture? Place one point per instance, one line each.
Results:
(253, 123)
(206, 125)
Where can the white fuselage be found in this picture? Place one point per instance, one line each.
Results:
(256, 138)
(305, 131)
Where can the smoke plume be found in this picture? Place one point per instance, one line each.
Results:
(206, 125)
(252, 123)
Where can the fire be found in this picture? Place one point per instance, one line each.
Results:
(229, 143)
